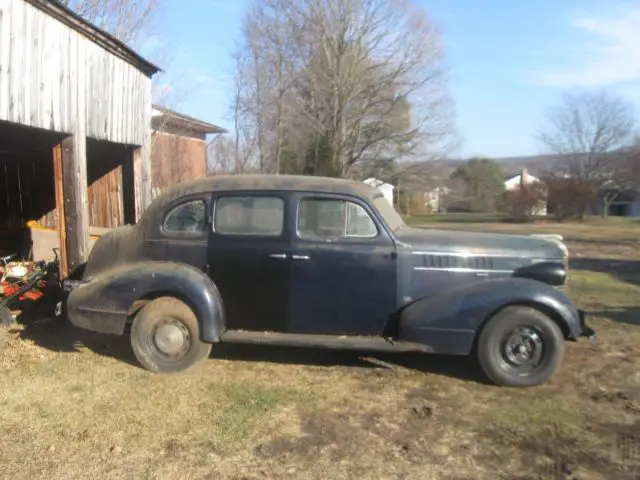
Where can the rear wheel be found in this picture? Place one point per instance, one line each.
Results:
(520, 347)
(165, 337)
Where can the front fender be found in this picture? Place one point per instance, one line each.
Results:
(102, 303)
(448, 322)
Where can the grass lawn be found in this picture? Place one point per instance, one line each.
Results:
(77, 406)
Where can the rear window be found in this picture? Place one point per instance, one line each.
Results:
(249, 216)
(187, 217)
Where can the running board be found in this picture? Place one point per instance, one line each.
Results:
(338, 342)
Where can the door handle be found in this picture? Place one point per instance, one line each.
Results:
(301, 257)
(281, 256)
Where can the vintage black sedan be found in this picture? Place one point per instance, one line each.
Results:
(319, 262)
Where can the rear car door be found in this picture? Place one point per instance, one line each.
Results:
(248, 254)
(343, 267)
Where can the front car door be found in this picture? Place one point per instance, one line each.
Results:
(248, 256)
(343, 267)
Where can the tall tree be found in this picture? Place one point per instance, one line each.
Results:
(478, 185)
(591, 130)
(340, 83)
(124, 19)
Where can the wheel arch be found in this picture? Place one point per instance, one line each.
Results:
(109, 301)
(547, 310)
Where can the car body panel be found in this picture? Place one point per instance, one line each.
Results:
(103, 303)
(449, 320)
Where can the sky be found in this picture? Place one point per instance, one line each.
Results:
(509, 61)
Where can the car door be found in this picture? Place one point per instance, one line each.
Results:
(248, 254)
(343, 267)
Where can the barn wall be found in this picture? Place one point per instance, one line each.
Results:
(176, 159)
(48, 69)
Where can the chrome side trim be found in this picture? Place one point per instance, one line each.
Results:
(468, 254)
(463, 270)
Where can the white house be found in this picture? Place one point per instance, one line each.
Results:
(524, 178)
(385, 188)
(433, 197)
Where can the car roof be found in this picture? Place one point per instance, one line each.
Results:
(253, 182)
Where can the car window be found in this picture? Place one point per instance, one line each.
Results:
(359, 223)
(328, 219)
(249, 216)
(187, 217)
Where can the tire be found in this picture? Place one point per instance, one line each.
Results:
(6, 318)
(165, 337)
(501, 342)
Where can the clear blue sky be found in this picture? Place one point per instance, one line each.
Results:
(509, 60)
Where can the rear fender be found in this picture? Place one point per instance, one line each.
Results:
(102, 303)
(448, 322)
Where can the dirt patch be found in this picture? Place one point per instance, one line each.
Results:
(317, 432)
(629, 400)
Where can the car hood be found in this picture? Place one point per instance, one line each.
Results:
(474, 243)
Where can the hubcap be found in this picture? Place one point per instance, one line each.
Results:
(171, 338)
(522, 350)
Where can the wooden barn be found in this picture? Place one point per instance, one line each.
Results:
(179, 147)
(75, 120)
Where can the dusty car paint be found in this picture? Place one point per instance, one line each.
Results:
(427, 286)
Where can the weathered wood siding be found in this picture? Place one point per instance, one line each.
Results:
(176, 159)
(48, 71)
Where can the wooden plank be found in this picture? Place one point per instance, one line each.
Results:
(5, 44)
(75, 210)
(60, 217)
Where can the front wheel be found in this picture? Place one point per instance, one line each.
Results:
(165, 337)
(520, 347)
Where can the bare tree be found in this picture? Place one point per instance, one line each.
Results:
(124, 19)
(591, 130)
(340, 83)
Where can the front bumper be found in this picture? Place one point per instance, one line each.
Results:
(585, 330)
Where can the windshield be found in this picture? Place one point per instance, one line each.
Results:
(390, 216)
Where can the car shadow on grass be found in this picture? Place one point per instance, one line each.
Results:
(59, 335)
(626, 315)
(464, 368)
(626, 270)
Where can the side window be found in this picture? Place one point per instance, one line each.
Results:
(249, 216)
(359, 223)
(326, 219)
(187, 217)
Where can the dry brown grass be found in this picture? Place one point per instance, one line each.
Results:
(75, 405)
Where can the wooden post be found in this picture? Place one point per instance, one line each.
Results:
(141, 179)
(137, 182)
(60, 219)
(76, 212)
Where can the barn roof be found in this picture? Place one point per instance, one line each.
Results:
(62, 13)
(186, 121)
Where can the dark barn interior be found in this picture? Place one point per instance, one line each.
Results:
(28, 191)
(26, 184)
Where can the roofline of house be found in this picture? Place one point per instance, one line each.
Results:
(191, 122)
(64, 14)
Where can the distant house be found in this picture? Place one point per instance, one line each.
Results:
(626, 204)
(386, 188)
(514, 182)
(433, 199)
